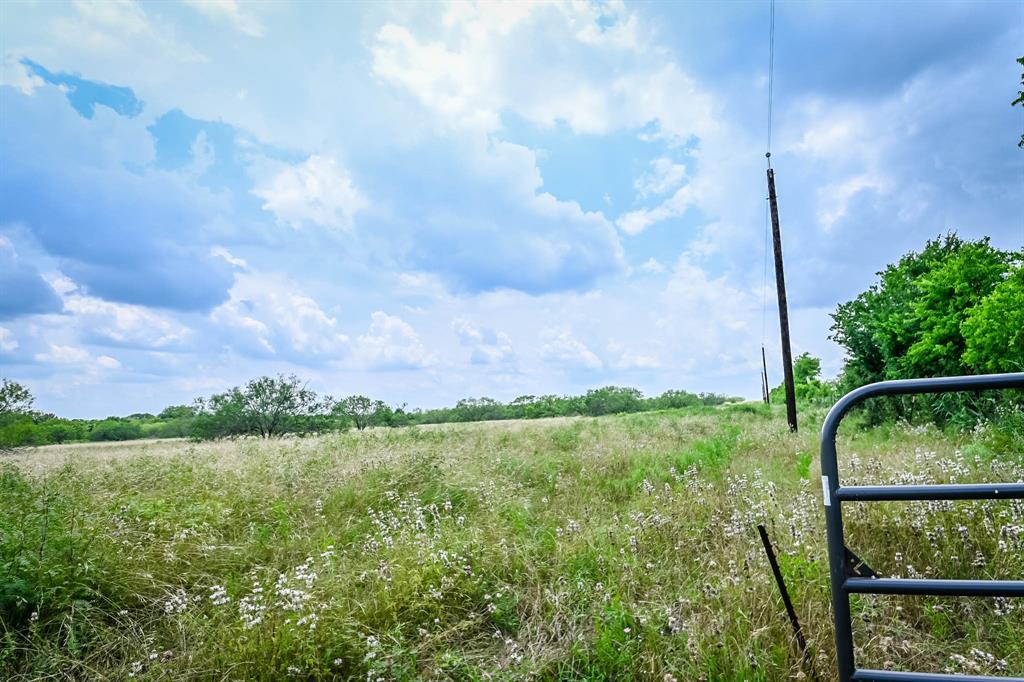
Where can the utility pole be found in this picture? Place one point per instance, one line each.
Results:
(764, 379)
(780, 284)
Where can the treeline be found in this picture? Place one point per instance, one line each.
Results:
(276, 406)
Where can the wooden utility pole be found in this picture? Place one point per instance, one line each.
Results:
(780, 284)
(764, 379)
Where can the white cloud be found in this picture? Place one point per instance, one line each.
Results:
(626, 359)
(107, 362)
(635, 222)
(14, 74)
(316, 191)
(121, 27)
(63, 355)
(391, 343)
(230, 12)
(549, 62)
(7, 341)
(834, 198)
(221, 252)
(489, 347)
(268, 314)
(653, 265)
(563, 349)
(664, 176)
(123, 324)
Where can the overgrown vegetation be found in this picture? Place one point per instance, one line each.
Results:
(957, 307)
(619, 547)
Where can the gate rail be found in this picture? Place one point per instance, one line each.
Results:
(847, 570)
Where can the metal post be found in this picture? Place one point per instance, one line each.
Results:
(780, 284)
(836, 550)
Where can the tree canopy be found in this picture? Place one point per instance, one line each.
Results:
(953, 308)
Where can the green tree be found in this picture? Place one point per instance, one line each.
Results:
(913, 323)
(946, 295)
(114, 428)
(15, 399)
(806, 369)
(360, 410)
(177, 412)
(612, 400)
(267, 407)
(994, 329)
(16, 427)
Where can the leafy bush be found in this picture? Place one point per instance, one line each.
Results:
(954, 308)
(115, 429)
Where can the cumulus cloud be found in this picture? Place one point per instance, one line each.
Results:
(566, 351)
(119, 324)
(391, 343)
(317, 191)
(268, 315)
(491, 57)
(664, 175)
(488, 347)
(8, 343)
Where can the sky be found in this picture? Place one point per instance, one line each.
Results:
(423, 202)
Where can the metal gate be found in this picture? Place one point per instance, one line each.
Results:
(850, 575)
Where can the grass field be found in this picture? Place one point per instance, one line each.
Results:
(602, 549)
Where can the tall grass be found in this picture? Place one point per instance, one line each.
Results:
(600, 549)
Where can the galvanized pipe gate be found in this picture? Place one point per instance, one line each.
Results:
(846, 579)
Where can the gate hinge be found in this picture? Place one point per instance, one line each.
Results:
(855, 566)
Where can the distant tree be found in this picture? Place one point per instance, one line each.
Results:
(612, 400)
(479, 409)
(265, 407)
(807, 381)
(806, 368)
(15, 399)
(675, 399)
(177, 412)
(16, 427)
(360, 410)
(115, 429)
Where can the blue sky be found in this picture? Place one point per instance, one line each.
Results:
(423, 202)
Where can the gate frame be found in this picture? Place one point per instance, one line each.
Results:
(843, 578)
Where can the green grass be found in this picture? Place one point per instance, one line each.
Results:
(622, 547)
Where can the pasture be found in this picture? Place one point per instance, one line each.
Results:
(618, 547)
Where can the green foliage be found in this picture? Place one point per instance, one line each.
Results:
(947, 310)
(994, 329)
(615, 548)
(266, 407)
(362, 411)
(14, 398)
(807, 383)
(270, 406)
(45, 564)
(612, 400)
(115, 429)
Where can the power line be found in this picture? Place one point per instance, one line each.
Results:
(771, 80)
